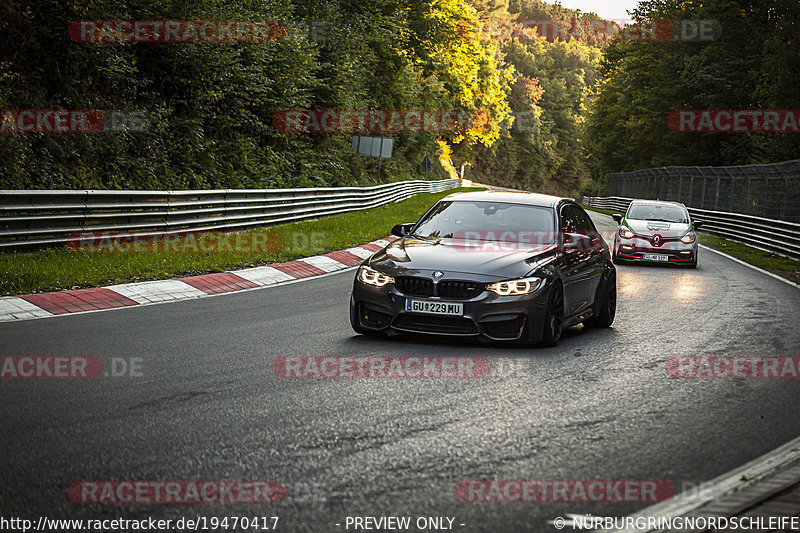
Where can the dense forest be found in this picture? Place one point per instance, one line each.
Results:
(751, 63)
(552, 115)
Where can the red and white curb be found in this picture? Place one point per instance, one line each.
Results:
(28, 306)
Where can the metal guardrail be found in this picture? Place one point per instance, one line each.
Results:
(776, 236)
(764, 190)
(41, 217)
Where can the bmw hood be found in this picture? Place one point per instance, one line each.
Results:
(651, 227)
(486, 261)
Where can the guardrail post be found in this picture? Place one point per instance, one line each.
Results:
(785, 196)
(703, 195)
(169, 211)
(85, 209)
(733, 183)
(747, 197)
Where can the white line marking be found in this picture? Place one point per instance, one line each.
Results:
(793, 284)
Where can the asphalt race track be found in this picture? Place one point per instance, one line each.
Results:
(206, 405)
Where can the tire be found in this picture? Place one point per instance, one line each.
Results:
(554, 318)
(605, 304)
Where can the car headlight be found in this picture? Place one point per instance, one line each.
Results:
(625, 233)
(688, 238)
(515, 287)
(370, 276)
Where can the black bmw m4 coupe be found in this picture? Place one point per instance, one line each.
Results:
(513, 267)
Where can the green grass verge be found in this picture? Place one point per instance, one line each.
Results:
(55, 269)
(783, 266)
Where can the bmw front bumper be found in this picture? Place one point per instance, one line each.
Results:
(488, 315)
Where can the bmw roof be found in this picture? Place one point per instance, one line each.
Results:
(528, 198)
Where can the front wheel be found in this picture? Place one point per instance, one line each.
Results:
(554, 318)
(605, 304)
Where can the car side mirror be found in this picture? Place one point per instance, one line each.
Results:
(401, 230)
(617, 217)
(697, 223)
(576, 242)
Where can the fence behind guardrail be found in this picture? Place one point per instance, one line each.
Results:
(768, 191)
(40, 217)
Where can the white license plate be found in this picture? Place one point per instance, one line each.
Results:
(435, 308)
(656, 257)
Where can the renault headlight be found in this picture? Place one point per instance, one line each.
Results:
(515, 287)
(688, 238)
(626, 233)
(370, 276)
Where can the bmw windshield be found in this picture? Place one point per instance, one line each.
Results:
(488, 221)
